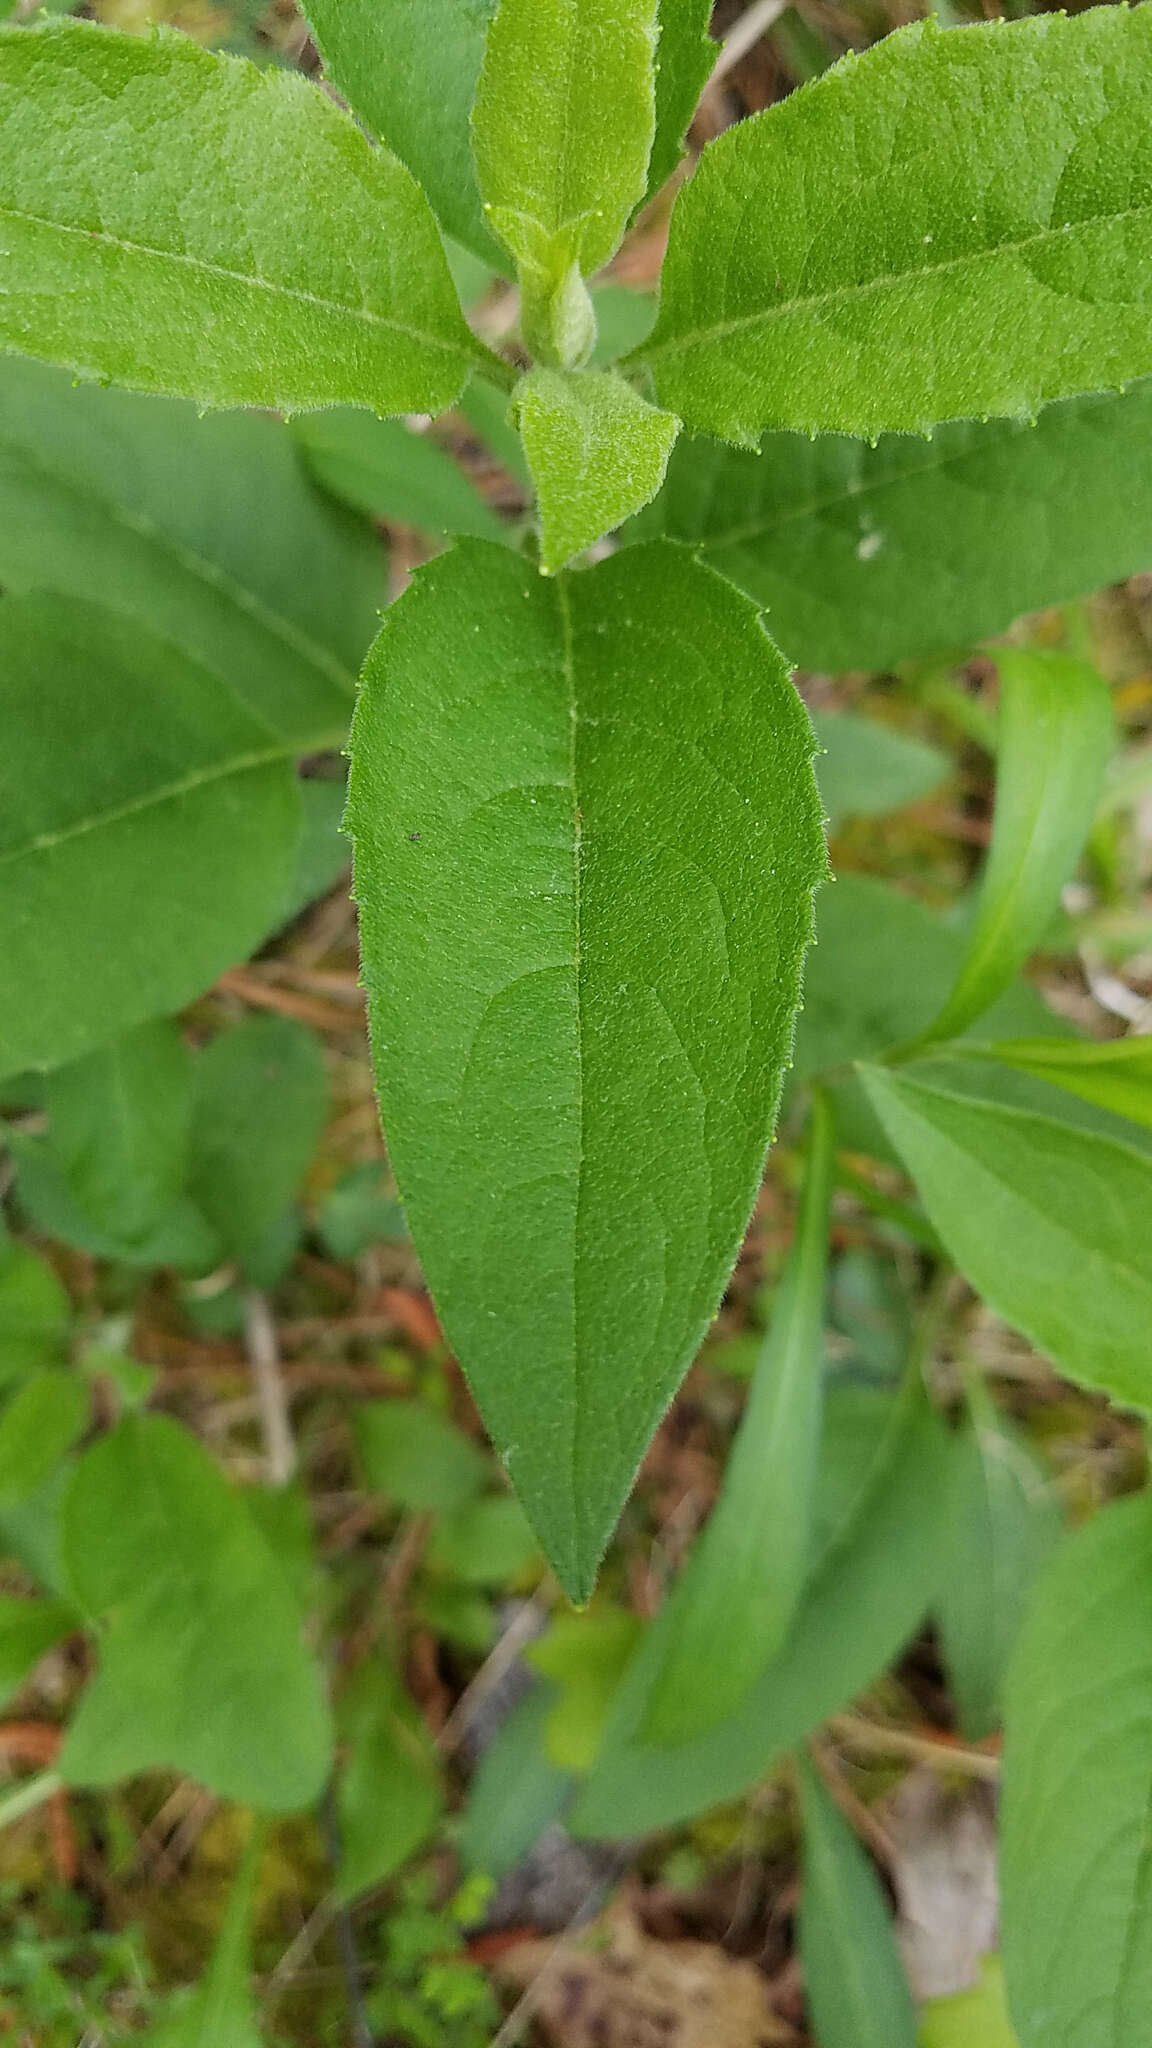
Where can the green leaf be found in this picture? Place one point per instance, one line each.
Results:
(1048, 1223)
(409, 69)
(876, 1575)
(383, 468)
(596, 452)
(323, 855)
(259, 1100)
(517, 1791)
(204, 529)
(35, 1312)
(203, 1665)
(858, 1995)
(389, 1796)
(842, 542)
(157, 249)
(971, 2019)
(994, 182)
(124, 763)
(1056, 736)
(1116, 1073)
(38, 1427)
(685, 55)
(868, 769)
(624, 318)
(1008, 1523)
(180, 1238)
(737, 1597)
(28, 1630)
(562, 128)
(584, 1655)
(361, 1210)
(417, 1458)
(222, 2008)
(483, 1542)
(1077, 1901)
(118, 1124)
(522, 793)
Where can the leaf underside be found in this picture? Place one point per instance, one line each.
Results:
(587, 835)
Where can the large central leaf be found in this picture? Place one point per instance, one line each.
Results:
(587, 835)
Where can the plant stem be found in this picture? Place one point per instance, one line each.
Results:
(27, 1797)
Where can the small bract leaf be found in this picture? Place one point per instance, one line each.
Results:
(858, 1995)
(1047, 1222)
(587, 836)
(563, 126)
(156, 249)
(841, 542)
(946, 227)
(409, 69)
(1077, 1885)
(1056, 735)
(735, 1602)
(597, 452)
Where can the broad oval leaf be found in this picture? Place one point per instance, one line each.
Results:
(1056, 735)
(858, 1994)
(949, 226)
(259, 1097)
(587, 835)
(1047, 1222)
(842, 542)
(205, 529)
(562, 129)
(168, 776)
(1077, 1895)
(735, 1602)
(870, 1588)
(409, 69)
(597, 451)
(203, 1664)
(157, 248)
(866, 769)
(118, 1126)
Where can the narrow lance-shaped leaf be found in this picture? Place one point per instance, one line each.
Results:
(207, 810)
(597, 452)
(858, 1995)
(1115, 1074)
(409, 69)
(735, 1603)
(563, 126)
(586, 836)
(842, 542)
(949, 226)
(870, 1588)
(1056, 734)
(222, 2008)
(383, 468)
(1047, 1222)
(685, 55)
(1075, 1872)
(156, 247)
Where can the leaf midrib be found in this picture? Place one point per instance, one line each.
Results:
(583, 1567)
(847, 293)
(186, 557)
(197, 778)
(248, 279)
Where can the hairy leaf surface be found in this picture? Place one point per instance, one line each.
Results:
(146, 238)
(1048, 1223)
(409, 69)
(597, 452)
(685, 55)
(124, 762)
(1075, 1871)
(843, 543)
(946, 227)
(586, 839)
(206, 530)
